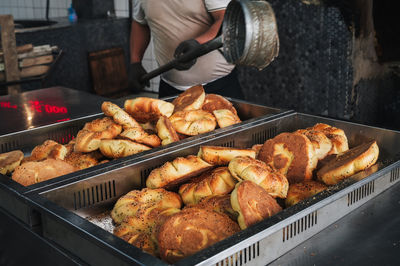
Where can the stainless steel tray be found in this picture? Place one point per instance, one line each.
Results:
(63, 209)
(63, 132)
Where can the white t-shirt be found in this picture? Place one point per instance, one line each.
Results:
(174, 21)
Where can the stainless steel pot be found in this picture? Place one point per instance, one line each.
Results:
(249, 37)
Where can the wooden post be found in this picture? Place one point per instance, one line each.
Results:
(8, 44)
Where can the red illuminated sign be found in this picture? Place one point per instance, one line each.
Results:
(38, 106)
(8, 105)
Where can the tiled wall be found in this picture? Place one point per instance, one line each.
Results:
(34, 9)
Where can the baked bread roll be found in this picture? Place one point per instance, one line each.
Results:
(303, 190)
(217, 155)
(349, 162)
(166, 131)
(257, 148)
(119, 115)
(193, 122)
(89, 138)
(226, 118)
(49, 149)
(144, 109)
(119, 148)
(9, 161)
(214, 102)
(322, 144)
(252, 203)
(292, 154)
(247, 168)
(191, 99)
(215, 182)
(139, 200)
(137, 134)
(219, 203)
(82, 160)
(178, 171)
(191, 230)
(336, 136)
(34, 172)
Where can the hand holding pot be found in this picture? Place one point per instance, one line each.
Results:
(184, 48)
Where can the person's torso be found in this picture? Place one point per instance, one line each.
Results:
(174, 21)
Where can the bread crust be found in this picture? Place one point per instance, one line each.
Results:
(193, 122)
(252, 203)
(119, 115)
(119, 148)
(335, 135)
(140, 136)
(82, 160)
(217, 155)
(191, 99)
(349, 162)
(166, 131)
(218, 203)
(144, 109)
(214, 102)
(300, 191)
(49, 149)
(173, 173)
(247, 168)
(322, 144)
(292, 154)
(225, 118)
(218, 181)
(9, 161)
(191, 230)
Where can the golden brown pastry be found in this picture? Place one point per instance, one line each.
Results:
(144, 109)
(247, 168)
(119, 115)
(141, 200)
(303, 190)
(139, 135)
(9, 161)
(191, 230)
(252, 203)
(166, 131)
(191, 99)
(349, 162)
(226, 118)
(214, 102)
(322, 144)
(89, 138)
(219, 203)
(336, 136)
(217, 155)
(176, 172)
(257, 148)
(82, 160)
(118, 148)
(193, 122)
(292, 154)
(215, 182)
(49, 149)
(34, 172)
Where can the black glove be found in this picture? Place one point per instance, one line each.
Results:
(136, 71)
(183, 48)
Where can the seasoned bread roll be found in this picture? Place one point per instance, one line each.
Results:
(191, 99)
(82, 160)
(252, 203)
(257, 148)
(166, 131)
(247, 168)
(292, 154)
(144, 109)
(10, 160)
(137, 134)
(214, 102)
(34, 172)
(140, 200)
(191, 230)
(215, 182)
(193, 122)
(219, 203)
(178, 171)
(322, 144)
(336, 136)
(217, 155)
(118, 148)
(49, 149)
(89, 138)
(349, 162)
(303, 190)
(225, 118)
(119, 115)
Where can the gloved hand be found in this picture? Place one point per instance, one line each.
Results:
(136, 71)
(183, 48)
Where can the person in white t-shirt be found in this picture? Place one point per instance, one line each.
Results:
(178, 26)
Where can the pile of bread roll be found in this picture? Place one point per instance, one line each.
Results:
(192, 202)
(143, 123)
